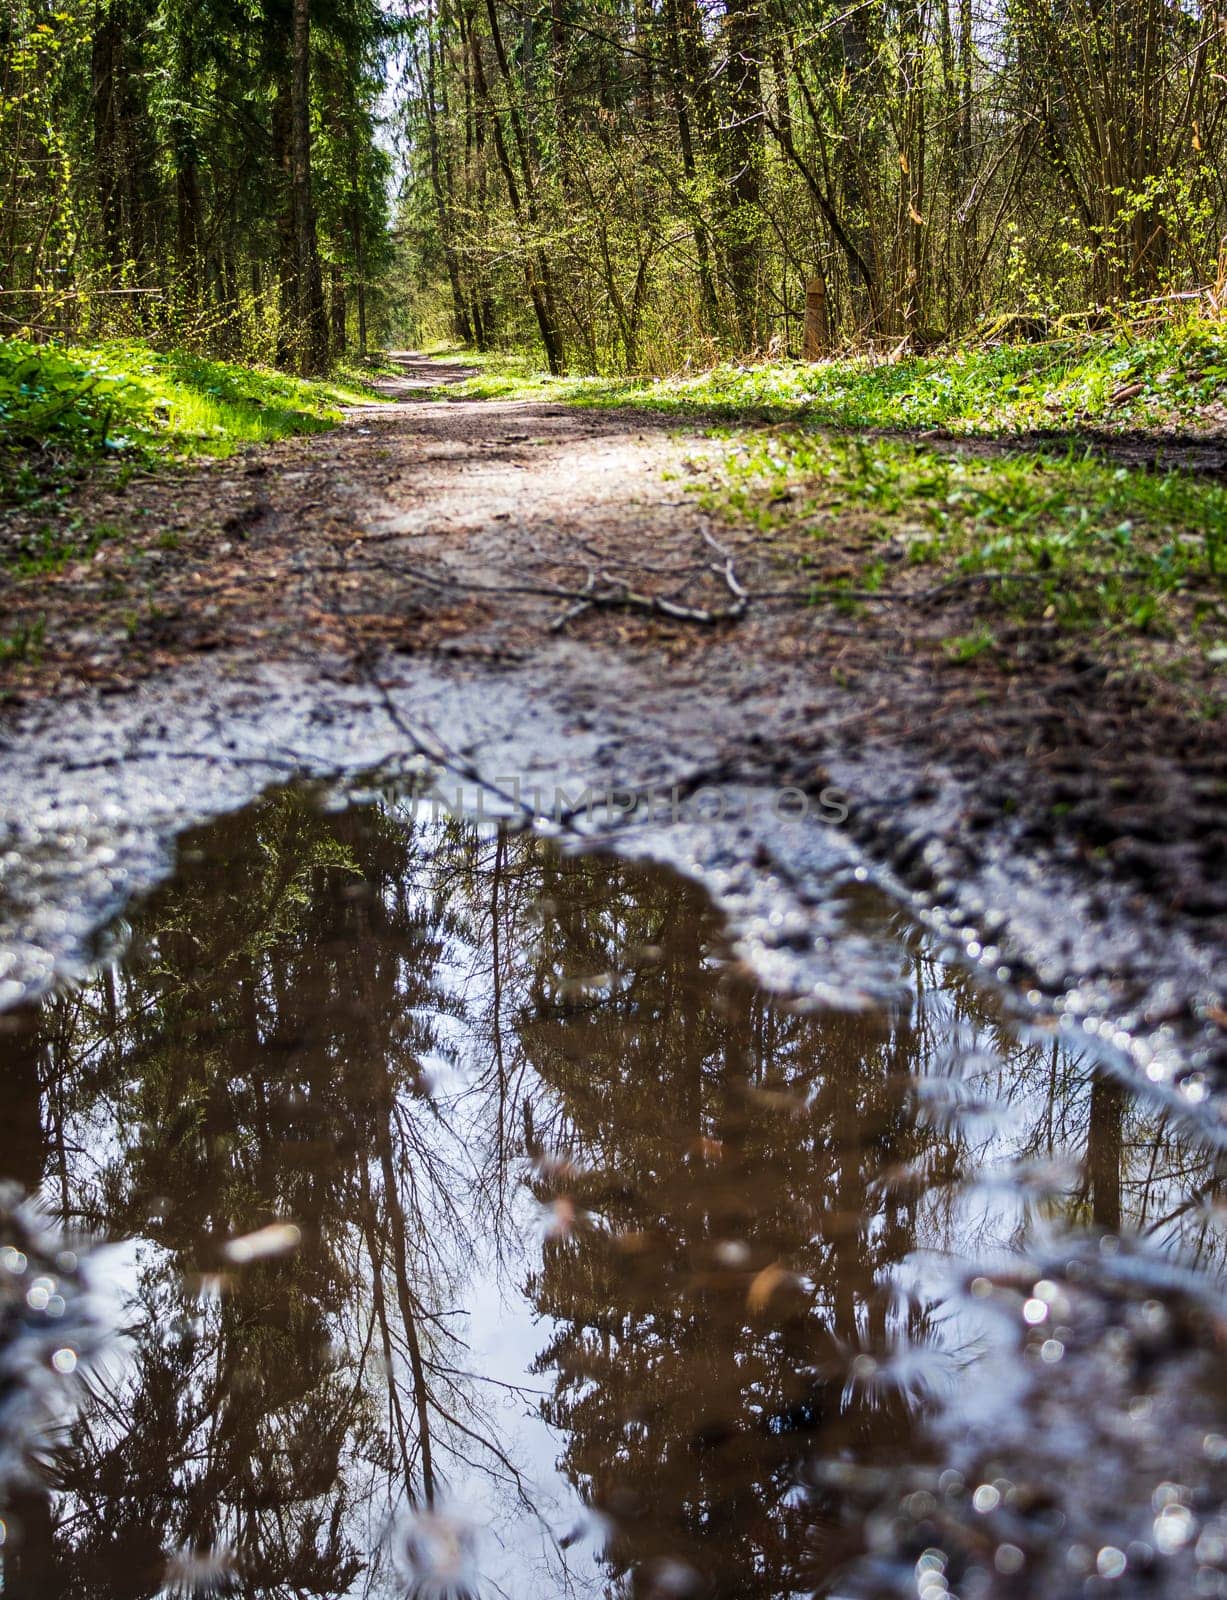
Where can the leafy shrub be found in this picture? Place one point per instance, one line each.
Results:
(53, 395)
(128, 397)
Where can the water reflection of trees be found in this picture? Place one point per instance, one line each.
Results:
(365, 1024)
(742, 1186)
(736, 1189)
(260, 1054)
(729, 1262)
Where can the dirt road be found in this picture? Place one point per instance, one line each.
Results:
(531, 589)
(522, 602)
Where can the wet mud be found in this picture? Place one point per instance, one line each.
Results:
(399, 586)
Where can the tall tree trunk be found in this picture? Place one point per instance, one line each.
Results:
(108, 72)
(189, 207)
(1103, 1150)
(358, 234)
(743, 155)
(337, 309)
(856, 155)
(480, 301)
(536, 267)
(190, 229)
(461, 325)
(969, 244)
(312, 314)
(911, 287)
(683, 88)
(287, 232)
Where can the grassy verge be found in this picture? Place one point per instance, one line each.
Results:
(1175, 377)
(1129, 563)
(61, 404)
(1134, 562)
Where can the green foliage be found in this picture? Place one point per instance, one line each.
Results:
(119, 398)
(1069, 538)
(967, 647)
(43, 58)
(146, 183)
(1123, 379)
(25, 643)
(1090, 543)
(50, 550)
(632, 186)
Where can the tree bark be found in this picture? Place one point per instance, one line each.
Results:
(313, 319)
(108, 72)
(337, 310)
(287, 242)
(743, 154)
(461, 325)
(683, 91)
(1103, 1151)
(536, 267)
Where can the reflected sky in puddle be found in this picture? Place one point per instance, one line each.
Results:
(477, 1224)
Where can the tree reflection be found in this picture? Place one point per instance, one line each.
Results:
(259, 1055)
(725, 1302)
(375, 1025)
(742, 1188)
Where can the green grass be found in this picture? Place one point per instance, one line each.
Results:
(360, 370)
(1036, 535)
(1156, 379)
(967, 647)
(49, 549)
(1067, 538)
(24, 644)
(128, 399)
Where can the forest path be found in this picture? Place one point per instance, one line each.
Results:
(545, 578)
(324, 540)
(471, 595)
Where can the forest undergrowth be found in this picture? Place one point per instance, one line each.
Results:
(126, 399)
(1172, 377)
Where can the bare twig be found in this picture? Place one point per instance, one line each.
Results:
(618, 596)
(580, 606)
(727, 572)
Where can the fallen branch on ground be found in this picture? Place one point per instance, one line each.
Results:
(618, 595)
(606, 590)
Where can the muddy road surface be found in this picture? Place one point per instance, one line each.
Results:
(703, 1099)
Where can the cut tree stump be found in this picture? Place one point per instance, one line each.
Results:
(817, 334)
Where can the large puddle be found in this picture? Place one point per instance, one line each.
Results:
(430, 1212)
